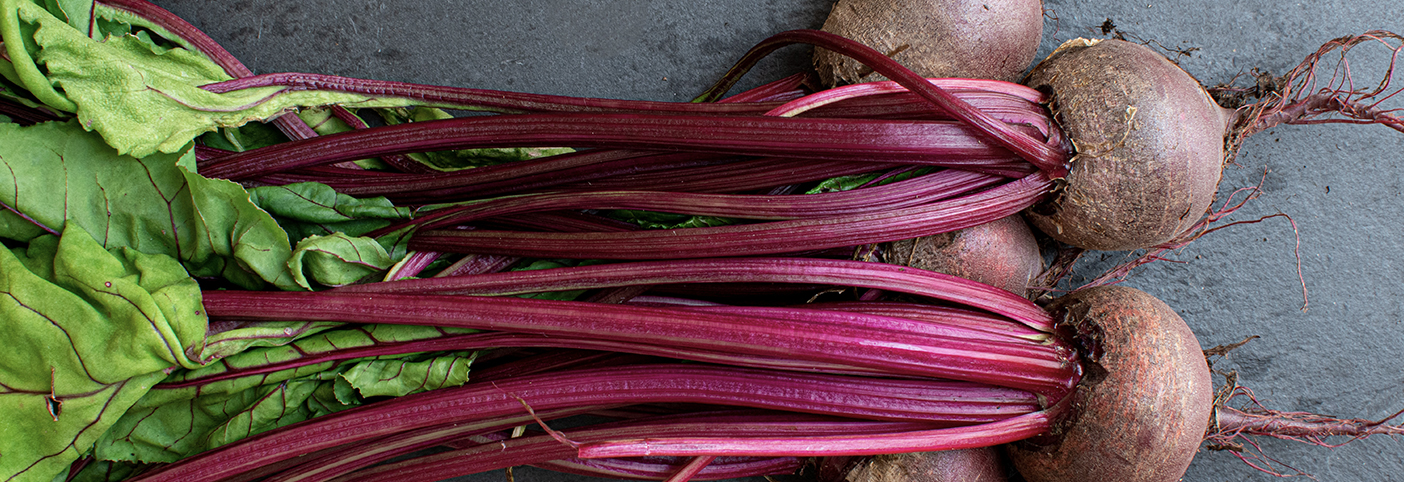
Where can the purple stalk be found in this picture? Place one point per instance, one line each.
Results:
(359, 455)
(691, 469)
(399, 162)
(25, 115)
(896, 278)
(783, 90)
(774, 237)
(506, 102)
(955, 438)
(864, 100)
(941, 143)
(978, 329)
(471, 180)
(562, 222)
(490, 340)
(1051, 161)
(515, 364)
(633, 468)
(738, 176)
(412, 265)
(865, 345)
(908, 193)
(975, 320)
(539, 449)
(290, 124)
(843, 396)
(441, 187)
(478, 264)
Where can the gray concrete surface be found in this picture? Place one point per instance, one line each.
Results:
(1341, 184)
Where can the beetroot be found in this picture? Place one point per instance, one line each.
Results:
(987, 39)
(1000, 253)
(969, 465)
(1141, 410)
(1149, 143)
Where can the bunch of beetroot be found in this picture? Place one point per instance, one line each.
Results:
(835, 282)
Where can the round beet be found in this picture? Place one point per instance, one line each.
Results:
(1000, 253)
(982, 39)
(971, 465)
(1149, 145)
(1142, 407)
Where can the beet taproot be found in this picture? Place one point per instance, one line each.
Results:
(1142, 407)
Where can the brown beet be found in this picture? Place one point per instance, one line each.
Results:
(1148, 140)
(1001, 253)
(987, 39)
(972, 465)
(1141, 410)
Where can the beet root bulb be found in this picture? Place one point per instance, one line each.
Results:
(1001, 253)
(988, 39)
(970, 465)
(1149, 145)
(1141, 410)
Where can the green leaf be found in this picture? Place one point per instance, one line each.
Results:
(403, 376)
(56, 174)
(228, 338)
(100, 471)
(248, 136)
(855, 181)
(336, 260)
(657, 220)
(313, 209)
(89, 331)
(175, 428)
(18, 24)
(78, 13)
(311, 202)
(140, 96)
(189, 413)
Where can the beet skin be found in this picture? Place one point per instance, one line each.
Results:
(982, 39)
(1149, 146)
(1001, 253)
(1142, 407)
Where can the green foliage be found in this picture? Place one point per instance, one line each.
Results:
(178, 419)
(658, 220)
(89, 331)
(337, 260)
(56, 174)
(140, 95)
(855, 181)
(248, 136)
